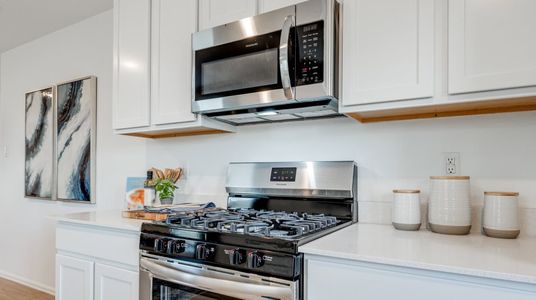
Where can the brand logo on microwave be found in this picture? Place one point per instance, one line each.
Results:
(252, 45)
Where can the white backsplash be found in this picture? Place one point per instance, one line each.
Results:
(497, 151)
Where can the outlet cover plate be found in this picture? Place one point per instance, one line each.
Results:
(451, 163)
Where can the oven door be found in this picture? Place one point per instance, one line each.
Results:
(248, 63)
(166, 279)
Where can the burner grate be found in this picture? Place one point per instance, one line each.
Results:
(275, 224)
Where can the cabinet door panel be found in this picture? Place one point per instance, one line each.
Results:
(131, 63)
(347, 281)
(113, 283)
(268, 5)
(217, 12)
(491, 45)
(173, 23)
(74, 278)
(388, 50)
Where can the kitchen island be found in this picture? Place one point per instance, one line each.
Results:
(370, 261)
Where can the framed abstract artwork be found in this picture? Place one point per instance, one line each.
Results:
(39, 144)
(76, 105)
(60, 137)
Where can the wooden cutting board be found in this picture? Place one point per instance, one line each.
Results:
(143, 215)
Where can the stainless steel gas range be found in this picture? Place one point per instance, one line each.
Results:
(250, 249)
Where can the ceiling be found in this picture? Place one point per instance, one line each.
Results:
(24, 20)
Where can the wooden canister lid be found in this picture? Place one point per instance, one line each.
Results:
(406, 191)
(451, 177)
(507, 194)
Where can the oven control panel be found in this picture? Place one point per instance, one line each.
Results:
(245, 259)
(283, 174)
(310, 62)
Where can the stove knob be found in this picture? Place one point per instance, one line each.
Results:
(255, 260)
(202, 251)
(160, 245)
(176, 247)
(237, 256)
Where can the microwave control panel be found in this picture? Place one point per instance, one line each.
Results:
(310, 64)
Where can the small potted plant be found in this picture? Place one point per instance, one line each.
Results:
(164, 183)
(166, 190)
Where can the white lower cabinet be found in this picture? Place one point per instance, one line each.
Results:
(96, 263)
(74, 278)
(328, 278)
(112, 283)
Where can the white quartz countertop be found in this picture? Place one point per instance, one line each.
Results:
(108, 218)
(474, 254)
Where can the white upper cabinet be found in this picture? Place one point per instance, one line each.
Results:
(388, 50)
(268, 5)
(492, 44)
(131, 105)
(171, 60)
(153, 69)
(217, 12)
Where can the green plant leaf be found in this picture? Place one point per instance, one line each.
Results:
(165, 188)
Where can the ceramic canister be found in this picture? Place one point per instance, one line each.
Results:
(406, 209)
(449, 208)
(500, 216)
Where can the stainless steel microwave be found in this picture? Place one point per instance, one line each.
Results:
(275, 66)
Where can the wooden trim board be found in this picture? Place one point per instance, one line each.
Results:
(178, 133)
(448, 110)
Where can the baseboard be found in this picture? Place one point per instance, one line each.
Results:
(29, 283)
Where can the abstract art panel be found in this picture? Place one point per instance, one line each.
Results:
(39, 134)
(76, 125)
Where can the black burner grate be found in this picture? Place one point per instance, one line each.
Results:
(252, 222)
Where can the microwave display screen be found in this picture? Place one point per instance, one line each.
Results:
(312, 27)
(283, 174)
(240, 72)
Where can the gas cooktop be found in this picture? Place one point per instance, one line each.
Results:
(262, 229)
(275, 224)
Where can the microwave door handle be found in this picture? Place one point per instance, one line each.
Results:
(284, 59)
(222, 286)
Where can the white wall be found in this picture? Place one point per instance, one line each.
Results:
(497, 151)
(26, 234)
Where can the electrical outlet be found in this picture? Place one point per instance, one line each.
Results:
(452, 163)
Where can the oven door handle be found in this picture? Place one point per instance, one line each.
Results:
(230, 288)
(284, 62)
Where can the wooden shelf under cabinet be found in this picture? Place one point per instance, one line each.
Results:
(174, 133)
(447, 110)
